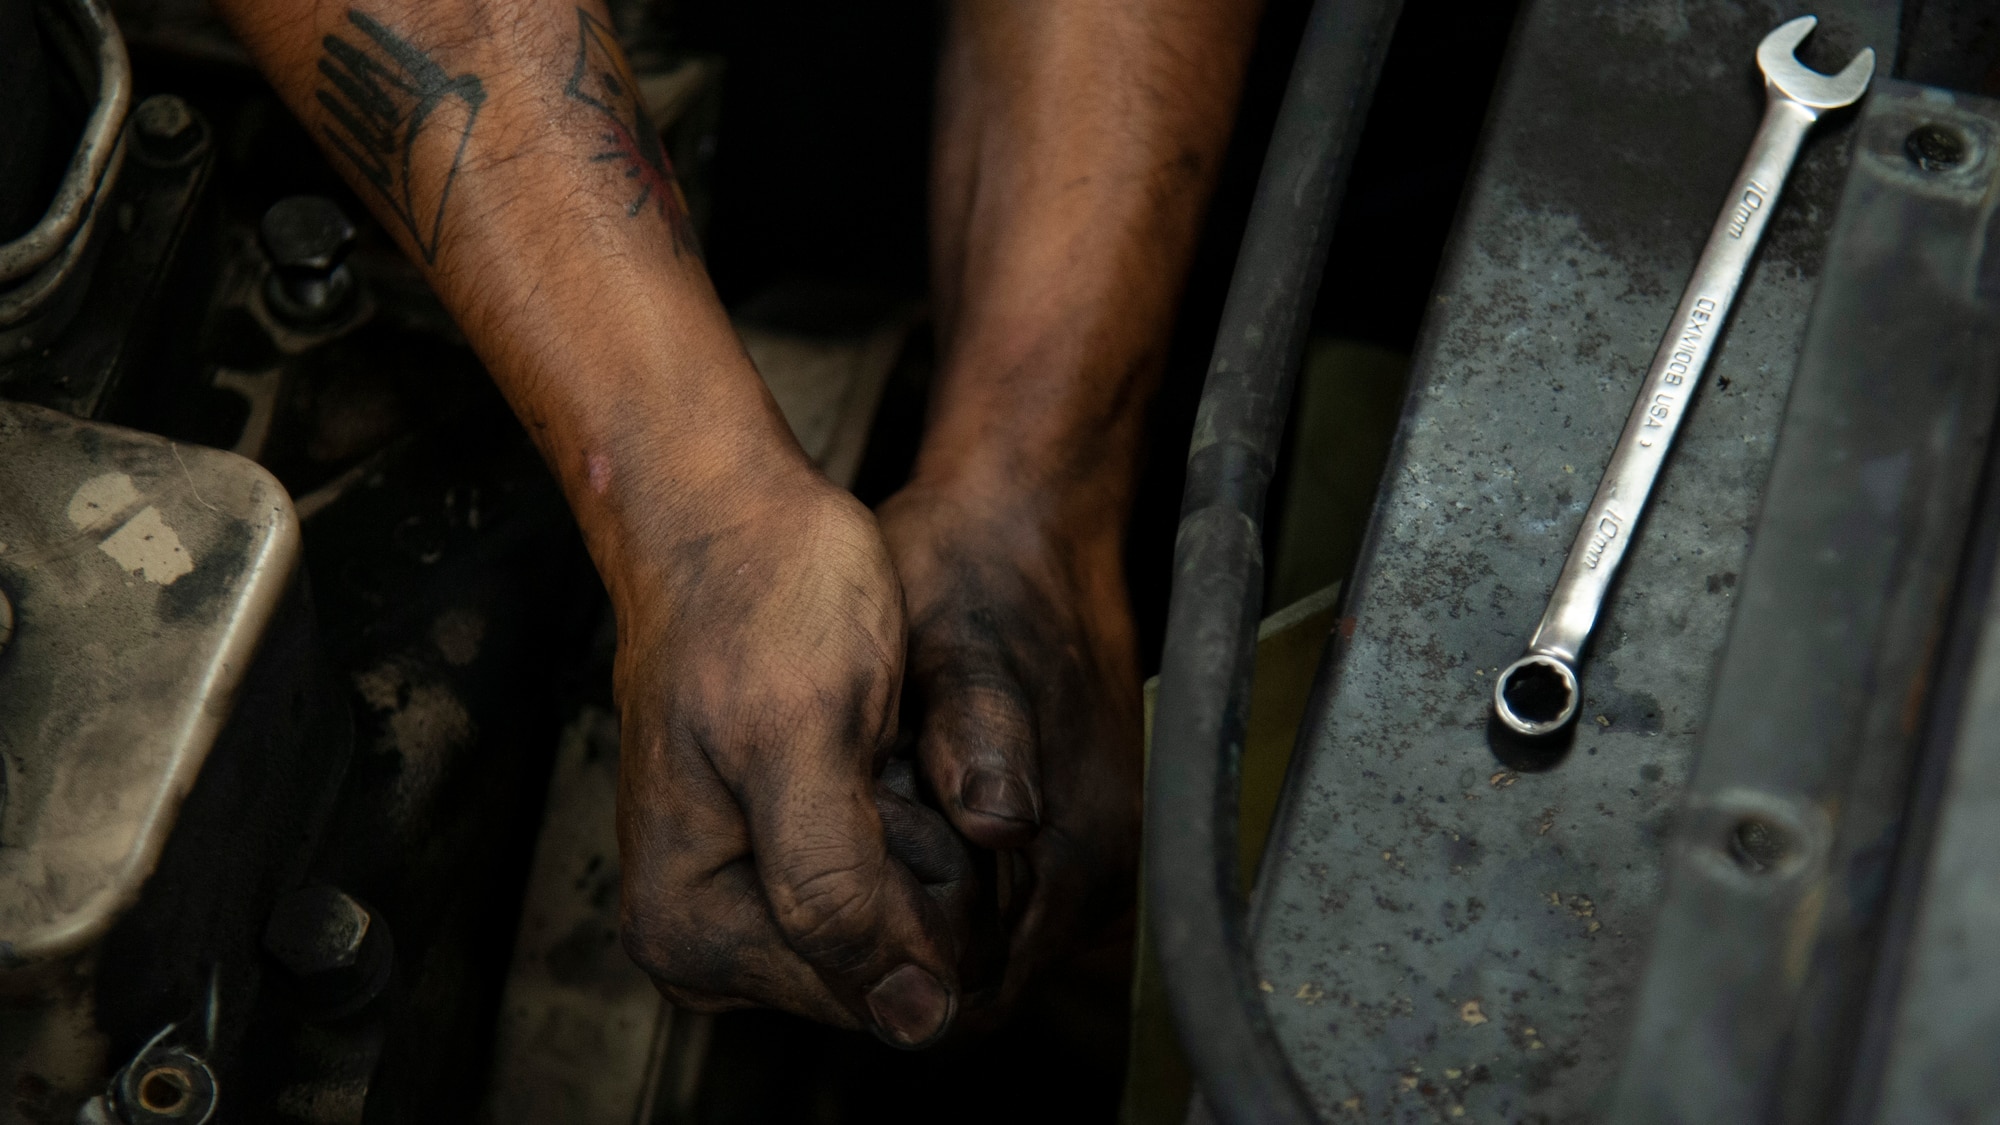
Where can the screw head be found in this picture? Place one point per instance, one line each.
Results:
(1934, 148)
(166, 130)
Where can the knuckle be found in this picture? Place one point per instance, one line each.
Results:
(828, 914)
(786, 695)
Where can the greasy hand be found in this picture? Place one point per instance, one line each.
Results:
(1024, 687)
(764, 863)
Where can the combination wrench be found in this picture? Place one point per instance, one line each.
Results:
(1538, 694)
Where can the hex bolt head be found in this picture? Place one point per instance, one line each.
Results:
(337, 951)
(166, 130)
(316, 930)
(307, 238)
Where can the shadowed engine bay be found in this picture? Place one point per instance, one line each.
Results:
(308, 756)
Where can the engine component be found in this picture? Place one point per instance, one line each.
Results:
(1779, 876)
(167, 131)
(168, 1084)
(307, 238)
(337, 951)
(43, 271)
(135, 287)
(169, 745)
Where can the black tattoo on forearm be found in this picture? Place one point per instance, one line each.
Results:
(603, 81)
(383, 94)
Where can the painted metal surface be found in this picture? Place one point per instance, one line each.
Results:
(1779, 874)
(143, 574)
(1451, 925)
(1944, 1017)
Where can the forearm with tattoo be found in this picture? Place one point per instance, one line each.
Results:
(507, 146)
(380, 94)
(603, 80)
(760, 625)
(761, 612)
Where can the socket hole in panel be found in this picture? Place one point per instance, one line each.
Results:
(1935, 148)
(1759, 846)
(165, 1091)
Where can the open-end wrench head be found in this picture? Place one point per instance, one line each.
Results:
(1801, 83)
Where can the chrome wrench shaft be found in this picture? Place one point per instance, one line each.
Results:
(1538, 694)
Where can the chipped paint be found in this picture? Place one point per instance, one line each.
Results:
(144, 545)
(101, 499)
(119, 695)
(148, 547)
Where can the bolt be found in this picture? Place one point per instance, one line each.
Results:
(307, 238)
(337, 952)
(167, 131)
(316, 930)
(1934, 148)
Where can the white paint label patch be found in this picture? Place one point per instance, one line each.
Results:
(100, 498)
(144, 545)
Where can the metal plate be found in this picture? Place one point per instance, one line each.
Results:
(1945, 1013)
(1779, 875)
(1451, 926)
(142, 574)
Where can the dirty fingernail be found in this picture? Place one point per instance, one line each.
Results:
(910, 1007)
(992, 793)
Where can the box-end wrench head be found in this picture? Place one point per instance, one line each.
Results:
(1538, 694)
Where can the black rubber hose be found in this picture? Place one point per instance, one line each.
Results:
(1192, 783)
